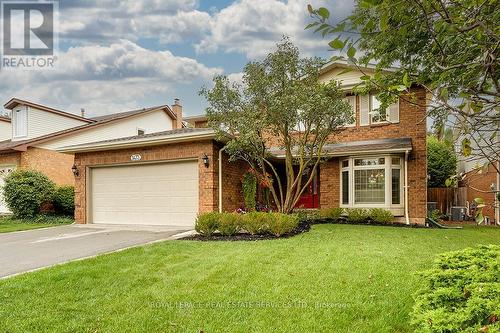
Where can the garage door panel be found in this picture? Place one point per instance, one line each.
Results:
(150, 194)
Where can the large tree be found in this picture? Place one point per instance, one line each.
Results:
(280, 108)
(441, 162)
(451, 48)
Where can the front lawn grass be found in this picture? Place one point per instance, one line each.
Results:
(9, 224)
(335, 278)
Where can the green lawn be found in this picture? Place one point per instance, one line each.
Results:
(336, 278)
(8, 224)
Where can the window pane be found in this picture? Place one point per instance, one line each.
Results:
(369, 161)
(396, 161)
(376, 114)
(396, 186)
(345, 187)
(369, 186)
(345, 163)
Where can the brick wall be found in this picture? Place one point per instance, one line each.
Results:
(207, 175)
(476, 183)
(412, 124)
(54, 165)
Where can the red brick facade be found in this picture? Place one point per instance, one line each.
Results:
(412, 124)
(208, 176)
(479, 186)
(56, 166)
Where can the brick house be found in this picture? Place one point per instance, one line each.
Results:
(29, 138)
(169, 177)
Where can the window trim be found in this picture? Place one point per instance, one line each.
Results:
(371, 113)
(387, 166)
(16, 122)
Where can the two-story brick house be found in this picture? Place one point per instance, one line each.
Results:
(169, 177)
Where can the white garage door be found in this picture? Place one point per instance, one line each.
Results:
(147, 194)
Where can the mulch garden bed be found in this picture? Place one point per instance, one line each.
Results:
(303, 227)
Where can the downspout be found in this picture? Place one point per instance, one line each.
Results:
(220, 178)
(407, 217)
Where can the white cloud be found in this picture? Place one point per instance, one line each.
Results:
(253, 27)
(107, 78)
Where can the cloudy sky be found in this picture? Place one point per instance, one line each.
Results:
(117, 55)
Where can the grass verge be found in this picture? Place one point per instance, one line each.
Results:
(10, 224)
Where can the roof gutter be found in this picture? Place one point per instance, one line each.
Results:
(357, 152)
(150, 141)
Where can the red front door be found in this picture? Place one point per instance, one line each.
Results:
(310, 197)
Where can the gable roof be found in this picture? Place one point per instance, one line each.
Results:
(346, 64)
(10, 105)
(6, 119)
(22, 145)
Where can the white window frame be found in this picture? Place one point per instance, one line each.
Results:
(371, 113)
(388, 166)
(354, 105)
(17, 123)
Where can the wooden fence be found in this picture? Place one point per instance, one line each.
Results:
(445, 198)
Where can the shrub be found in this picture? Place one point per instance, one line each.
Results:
(255, 222)
(25, 191)
(441, 162)
(357, 215)
(331, 213)
(280, 224)
(307, 214)
(461, 293)
(207, 223)
(380, 215)
(64, 200)
(229, 223)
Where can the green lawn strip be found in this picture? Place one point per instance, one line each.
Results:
(10, 224)
(335, 278)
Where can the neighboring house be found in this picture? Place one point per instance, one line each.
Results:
(5, 132)
(36, 131)
(481, 183)
(169, 177)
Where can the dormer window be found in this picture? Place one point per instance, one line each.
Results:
(20, 122)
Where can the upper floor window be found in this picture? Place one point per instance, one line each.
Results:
(370, 112)
(352, 101)
(20, 122)
(376, 115)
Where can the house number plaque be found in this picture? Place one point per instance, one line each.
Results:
(135, 157)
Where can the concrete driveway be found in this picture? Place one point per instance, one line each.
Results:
(29, 250)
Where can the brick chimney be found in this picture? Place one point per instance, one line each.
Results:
(177, 109)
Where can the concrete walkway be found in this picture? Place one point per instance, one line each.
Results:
(34, 249)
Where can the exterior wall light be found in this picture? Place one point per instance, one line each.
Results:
(74, 169)
(204, 158)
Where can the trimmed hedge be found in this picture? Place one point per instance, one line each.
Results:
(207, 223)
(25, 191)
(331, 213)
(357, 215)
(228, 224)
(380, 215)
(64, 200)
(461, 293)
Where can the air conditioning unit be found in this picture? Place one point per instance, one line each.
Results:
(458, 213)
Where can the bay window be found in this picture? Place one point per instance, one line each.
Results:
(374, 181)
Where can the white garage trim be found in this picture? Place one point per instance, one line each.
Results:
(165, 193)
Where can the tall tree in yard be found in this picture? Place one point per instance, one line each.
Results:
(280, 104)
(451, 48)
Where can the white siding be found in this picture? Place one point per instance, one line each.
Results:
(5, 130)
(156, 121)
(347, 79)
(42, 123)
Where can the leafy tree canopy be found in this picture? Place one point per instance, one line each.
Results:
(280, 106)
(441, 162)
